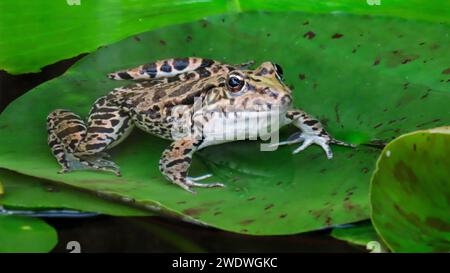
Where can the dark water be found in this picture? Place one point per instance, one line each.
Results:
(157, 234)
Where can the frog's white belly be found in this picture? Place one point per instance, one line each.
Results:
(221, 128)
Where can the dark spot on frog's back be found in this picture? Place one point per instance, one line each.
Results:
(124, 75)
(166, 67)
(206, 62)
(150, 69)
(203, 72)
(180, 63)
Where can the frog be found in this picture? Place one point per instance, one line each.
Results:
(171, 99)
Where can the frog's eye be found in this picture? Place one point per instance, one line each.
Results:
(235, 83)
(279, 71)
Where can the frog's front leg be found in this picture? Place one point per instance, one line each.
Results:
(312, 132)
(176, 160)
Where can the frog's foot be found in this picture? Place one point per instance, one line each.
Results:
(323, 140)
(90, 163)
(189, 182)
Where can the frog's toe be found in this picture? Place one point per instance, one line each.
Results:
(322, 141)
(192, 183)
(198, 178)
(94, 163)
(294, 138)
(105, 165)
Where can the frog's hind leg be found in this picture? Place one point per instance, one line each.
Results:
(65, 131)
(77, 145)
(163, 68)
(175, 162)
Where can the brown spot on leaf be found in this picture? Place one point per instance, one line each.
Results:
(194, 211)
(446, 71)
(438, 224)
(310, 35)
(301, 76)
(377, 126)
(251, 198)
(305, 23)
(405, 175)
(377, 61)
(269, 206)
(314, 85)
(246, 222)
(336, 112)
(337, 36)
(282, 215)
(211, 203)
(428, 122)
(137, 38)
(434, 46)
(411, 217)
(188, 38)
(162, 42)
(407, 60)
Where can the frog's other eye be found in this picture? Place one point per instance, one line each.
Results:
(235, 83)
(279, 71)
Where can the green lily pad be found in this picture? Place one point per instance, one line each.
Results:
(25, 192)
(365, 78)
(410, 192)
(19, 234)
(91, 24)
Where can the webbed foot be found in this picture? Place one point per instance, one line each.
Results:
(90, 163)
